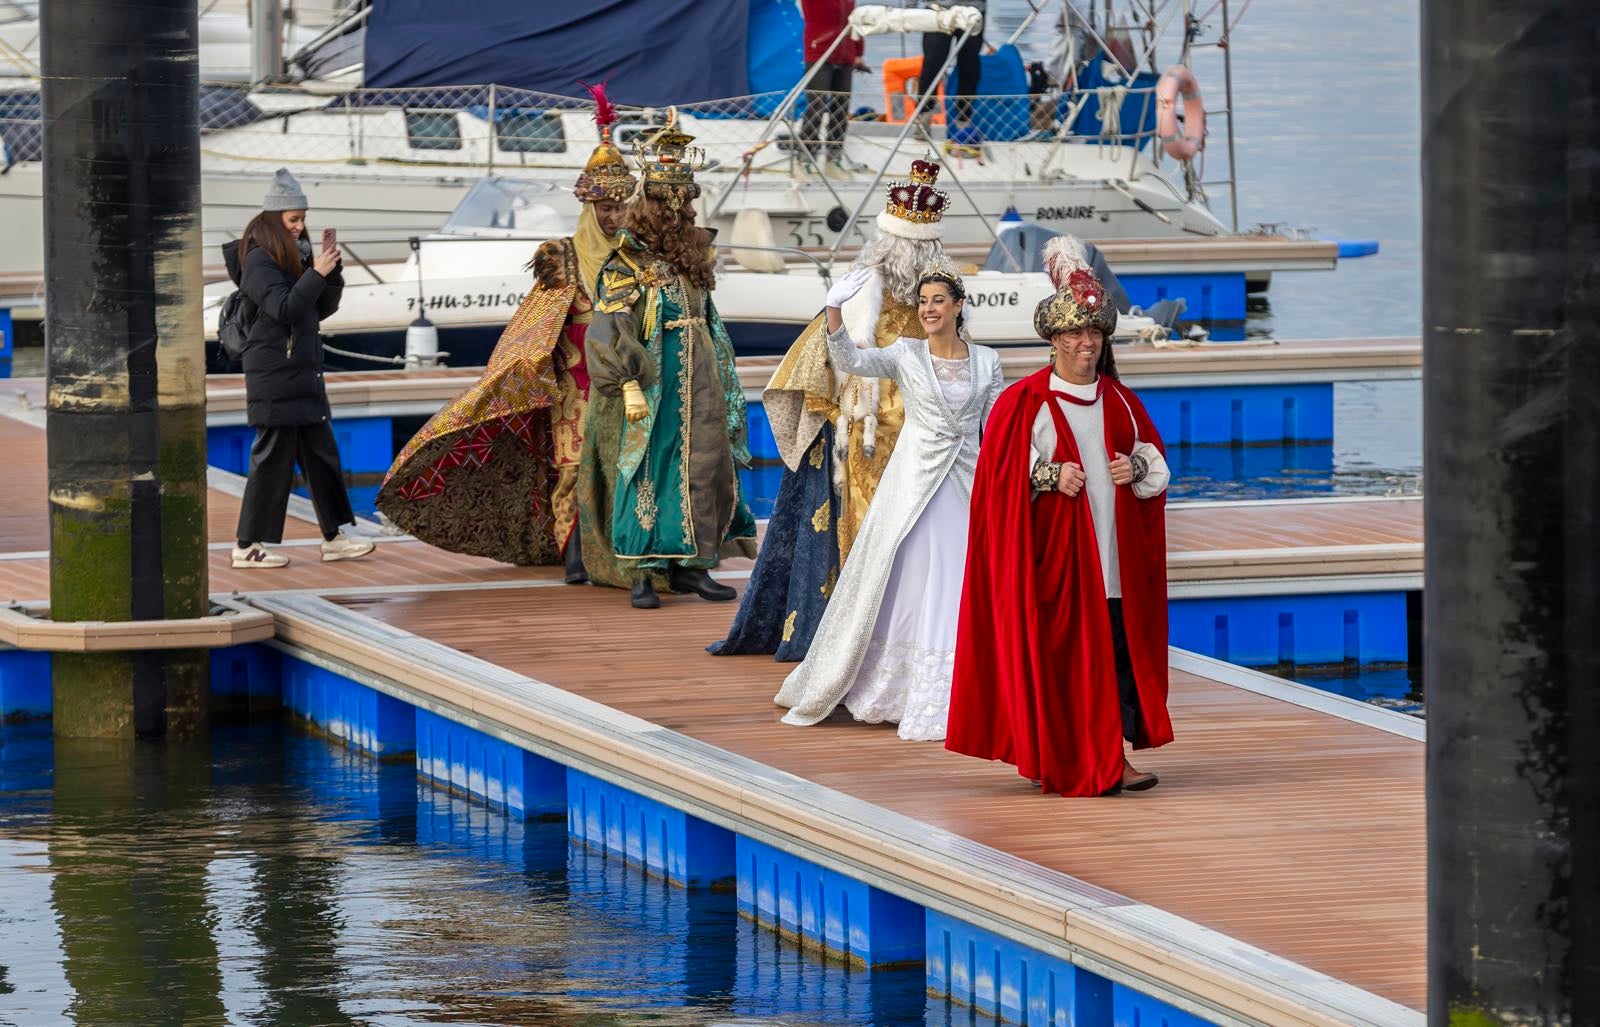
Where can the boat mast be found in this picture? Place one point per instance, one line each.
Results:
(1227, 87)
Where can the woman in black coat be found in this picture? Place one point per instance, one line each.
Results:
(292, 292)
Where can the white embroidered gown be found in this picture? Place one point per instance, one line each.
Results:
(886, 643)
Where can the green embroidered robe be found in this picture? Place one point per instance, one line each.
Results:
(665, 488)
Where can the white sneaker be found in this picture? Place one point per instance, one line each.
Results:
(257, 555)
(342, 548)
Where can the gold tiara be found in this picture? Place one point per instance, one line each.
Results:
(943, 267)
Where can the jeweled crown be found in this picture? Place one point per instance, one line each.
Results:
(668, 163)
(918, 201)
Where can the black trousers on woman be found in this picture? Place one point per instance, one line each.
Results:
(266, 492)
(935, 51)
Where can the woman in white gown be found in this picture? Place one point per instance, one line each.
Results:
(886, 643)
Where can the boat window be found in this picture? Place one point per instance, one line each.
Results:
(432, 130)
(625, 136)
(530, 132)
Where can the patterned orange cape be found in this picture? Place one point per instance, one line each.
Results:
(479, 477)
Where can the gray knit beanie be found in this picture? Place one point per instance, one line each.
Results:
(285, 193)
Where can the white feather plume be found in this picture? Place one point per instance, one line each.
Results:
(1063, 255)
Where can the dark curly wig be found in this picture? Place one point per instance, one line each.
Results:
(674, 238)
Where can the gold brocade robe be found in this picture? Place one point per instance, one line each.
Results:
(484, 475)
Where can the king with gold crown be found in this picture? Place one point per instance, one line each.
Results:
(836, 431)
(665, 434)
(495, 472)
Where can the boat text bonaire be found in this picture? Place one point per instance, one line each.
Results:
(1065, 213)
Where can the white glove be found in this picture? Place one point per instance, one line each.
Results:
(845, 288)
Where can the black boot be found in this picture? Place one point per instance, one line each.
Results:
(573, 556)
(644, 595)
(692, 579)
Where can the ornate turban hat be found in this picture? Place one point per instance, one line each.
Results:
(915, 207)
(668, 163)
(606, 176)
(1080, 300)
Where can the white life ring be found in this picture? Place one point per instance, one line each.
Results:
(1181, 145)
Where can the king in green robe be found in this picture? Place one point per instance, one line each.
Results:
(665, 431)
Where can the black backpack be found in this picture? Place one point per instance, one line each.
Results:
(233, 325)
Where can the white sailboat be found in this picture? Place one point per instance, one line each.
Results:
(382, 165)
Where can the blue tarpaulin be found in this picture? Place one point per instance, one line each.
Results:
(1003, 113)
(776, 49)
(1138, 111)
(649, 52)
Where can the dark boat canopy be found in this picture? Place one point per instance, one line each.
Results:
(648, 53)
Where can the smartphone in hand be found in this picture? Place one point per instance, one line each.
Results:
(330, 241)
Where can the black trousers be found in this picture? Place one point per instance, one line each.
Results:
(266, 492)
(828, 93)
(935, 51)
(1127, 686)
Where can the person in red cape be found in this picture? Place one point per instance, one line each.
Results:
(1061, 650)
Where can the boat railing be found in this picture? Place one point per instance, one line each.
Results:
(502, 128)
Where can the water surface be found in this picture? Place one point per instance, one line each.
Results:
(269, 877)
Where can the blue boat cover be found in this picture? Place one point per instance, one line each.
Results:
(648, 52)
(776, 43)
(1138, 112)
(1003, 113)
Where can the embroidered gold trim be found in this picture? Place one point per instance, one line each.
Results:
(644, 502)
(680, 290)
(819, 520)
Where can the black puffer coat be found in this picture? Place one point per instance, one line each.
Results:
(283, 383)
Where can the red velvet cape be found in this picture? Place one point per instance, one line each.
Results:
(1035, 674)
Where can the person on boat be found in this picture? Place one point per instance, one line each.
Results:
(828, 91)
(494, 473)
(665, 433)
(293, 291)
(887, 640)
(835, 431)
(1061, 654)
(969, 62)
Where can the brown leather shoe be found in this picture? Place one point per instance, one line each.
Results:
(1136, 780)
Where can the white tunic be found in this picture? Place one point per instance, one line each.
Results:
(1088, 424)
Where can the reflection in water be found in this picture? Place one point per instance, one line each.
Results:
(129, 843)
(273, 878)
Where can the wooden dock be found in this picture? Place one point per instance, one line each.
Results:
(1275, 877)
(1229, 840)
